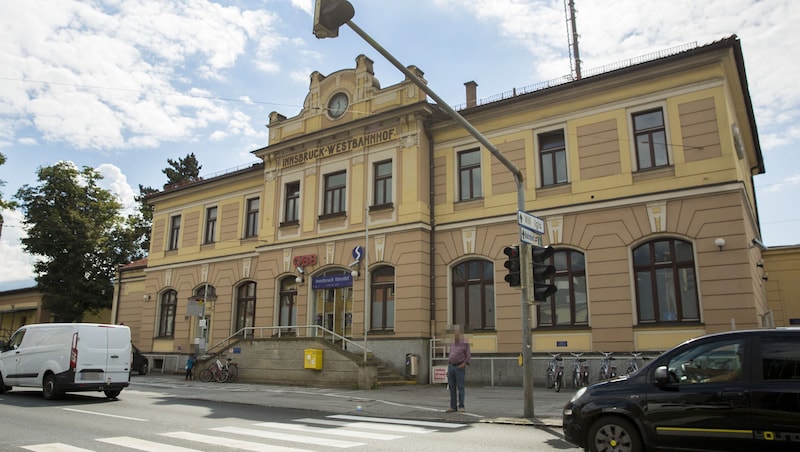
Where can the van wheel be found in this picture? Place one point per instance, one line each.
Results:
(614, 433)
(50, 388)
(3, 387)
(112, 393)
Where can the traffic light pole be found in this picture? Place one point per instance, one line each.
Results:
(525, 256)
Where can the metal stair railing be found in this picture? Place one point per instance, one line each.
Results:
(258, 332)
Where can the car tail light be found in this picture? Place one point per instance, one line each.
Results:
(73, 354)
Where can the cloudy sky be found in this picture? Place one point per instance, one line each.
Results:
(124, 85)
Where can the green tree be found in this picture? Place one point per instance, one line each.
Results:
(77, 233)
(183, 171)
(3, 203)
(140, 223)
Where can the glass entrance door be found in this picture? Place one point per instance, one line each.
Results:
(333, 307)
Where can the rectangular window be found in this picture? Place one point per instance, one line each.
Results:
(211, 225)
(780, 359)
(251, 225)
(174, 232)
(650, 137)
(335, 191)
(469, 174)
(382, 190)
(291, 203)
(553, 157)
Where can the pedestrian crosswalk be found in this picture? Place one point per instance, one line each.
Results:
(336, 431)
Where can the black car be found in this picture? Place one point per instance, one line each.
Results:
(735, 391)
(139, 363)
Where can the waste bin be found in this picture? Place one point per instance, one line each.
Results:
(412, 365)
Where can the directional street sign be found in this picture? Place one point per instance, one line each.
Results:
(530, 237)
(531, 222)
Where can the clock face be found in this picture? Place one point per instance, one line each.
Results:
(337, 105)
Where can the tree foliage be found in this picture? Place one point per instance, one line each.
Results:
(140, 223)
(78, 235)
(3, 203)
(182, 171)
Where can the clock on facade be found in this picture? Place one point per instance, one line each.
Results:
(337, 105)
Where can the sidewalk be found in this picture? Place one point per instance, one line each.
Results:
(492, 404)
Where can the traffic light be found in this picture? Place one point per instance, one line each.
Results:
(512, 264)
(329, 15)
(542, 272)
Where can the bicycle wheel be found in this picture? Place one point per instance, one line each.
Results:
(221, 376)
(206, 375)
(557, 384)
(575, 381)
(233, 372)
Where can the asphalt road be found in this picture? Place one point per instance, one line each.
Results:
(157, 419)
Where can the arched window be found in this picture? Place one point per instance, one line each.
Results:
(166, 318)
(245, 306)
(569, 305)
(666, 287)
(205, 292)
(287, 311)
(473, 295)
(382, 299)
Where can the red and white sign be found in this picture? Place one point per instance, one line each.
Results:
(439, 374)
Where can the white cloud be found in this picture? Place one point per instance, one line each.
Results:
(116, 182)
(109, 76)
(17, 265)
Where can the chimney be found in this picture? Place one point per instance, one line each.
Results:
(472, 94)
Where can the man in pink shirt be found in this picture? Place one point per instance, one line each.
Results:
(458, 359)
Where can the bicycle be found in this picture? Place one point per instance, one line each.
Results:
(607, 368)
(232, 368)
(214, 372)
(580, 371)
(633, 363)
(555, 372)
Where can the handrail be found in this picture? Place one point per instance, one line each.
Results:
(258, 332)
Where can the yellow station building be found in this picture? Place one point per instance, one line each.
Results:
(372, 219)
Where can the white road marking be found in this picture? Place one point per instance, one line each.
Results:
(54, 447)
(289, 437)
(105, 414)
(398, 421)
(369, 426)
(141, 444)
(228, 442)
(330, 431)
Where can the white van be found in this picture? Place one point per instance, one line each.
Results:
(67, 357)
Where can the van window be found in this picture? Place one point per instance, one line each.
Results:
(780, 358)
(707, 363)
(16, 340)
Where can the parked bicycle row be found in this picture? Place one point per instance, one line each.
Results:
(220, 372)
(580, 371)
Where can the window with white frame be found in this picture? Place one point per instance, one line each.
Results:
(382, 187)
(469, 175)
(291, 203)
(553, 157)
(335, 193)
(650, 139)
(251, 219)
(174, 232)
(211, 225)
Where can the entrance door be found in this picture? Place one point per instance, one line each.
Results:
(334, 309)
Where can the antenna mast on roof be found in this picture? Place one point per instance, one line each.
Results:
(574, 39)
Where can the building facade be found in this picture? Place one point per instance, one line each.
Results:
(374, 216)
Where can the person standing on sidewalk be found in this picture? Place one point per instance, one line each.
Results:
(457, 361)
(189, 366)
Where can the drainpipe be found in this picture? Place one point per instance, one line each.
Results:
(432, 234)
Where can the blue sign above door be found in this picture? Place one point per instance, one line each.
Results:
(332, 281)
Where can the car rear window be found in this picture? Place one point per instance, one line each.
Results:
(780, 358)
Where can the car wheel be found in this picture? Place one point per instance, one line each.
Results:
(613, 433)
(145, 367)
(50, 389)
(112, 393)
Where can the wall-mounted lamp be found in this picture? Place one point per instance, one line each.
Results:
(300, 270)
(146, 298)
(299, 279)
(720, 242)
(355, 274)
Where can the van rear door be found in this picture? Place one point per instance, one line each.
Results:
(103, 354)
